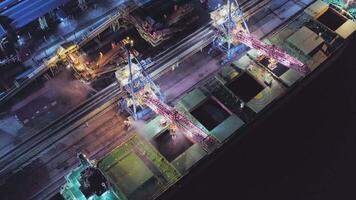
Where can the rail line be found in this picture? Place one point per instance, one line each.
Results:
(104, 131)
(20, 155)
(195, 42)
(27, 150)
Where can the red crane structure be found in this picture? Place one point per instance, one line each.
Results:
(227, 23)
(269, 50)
(193, 133)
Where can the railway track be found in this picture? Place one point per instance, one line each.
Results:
(25, 152)
(28, 150)
(108, 129)
(55, 186)
(195, 42)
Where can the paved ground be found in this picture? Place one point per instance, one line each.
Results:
(270, 17)
(188, 74)
(29, 115)
(45, 173)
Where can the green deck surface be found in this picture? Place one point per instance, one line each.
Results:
(137, 169)
(227, 128)
(153, 127)
(189, 158)
(129, 173)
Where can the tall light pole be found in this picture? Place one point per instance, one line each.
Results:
(229, 31)
(231, 24)
(128, 44)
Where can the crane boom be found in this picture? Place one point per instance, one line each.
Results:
(270, 51)
(193, 133)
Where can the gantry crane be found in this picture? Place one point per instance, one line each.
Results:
(225, 19)
(133, 78)
(236, 34)
(270, 50)
(173, 116)
(148, 94)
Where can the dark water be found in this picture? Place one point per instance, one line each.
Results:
(306, 149)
